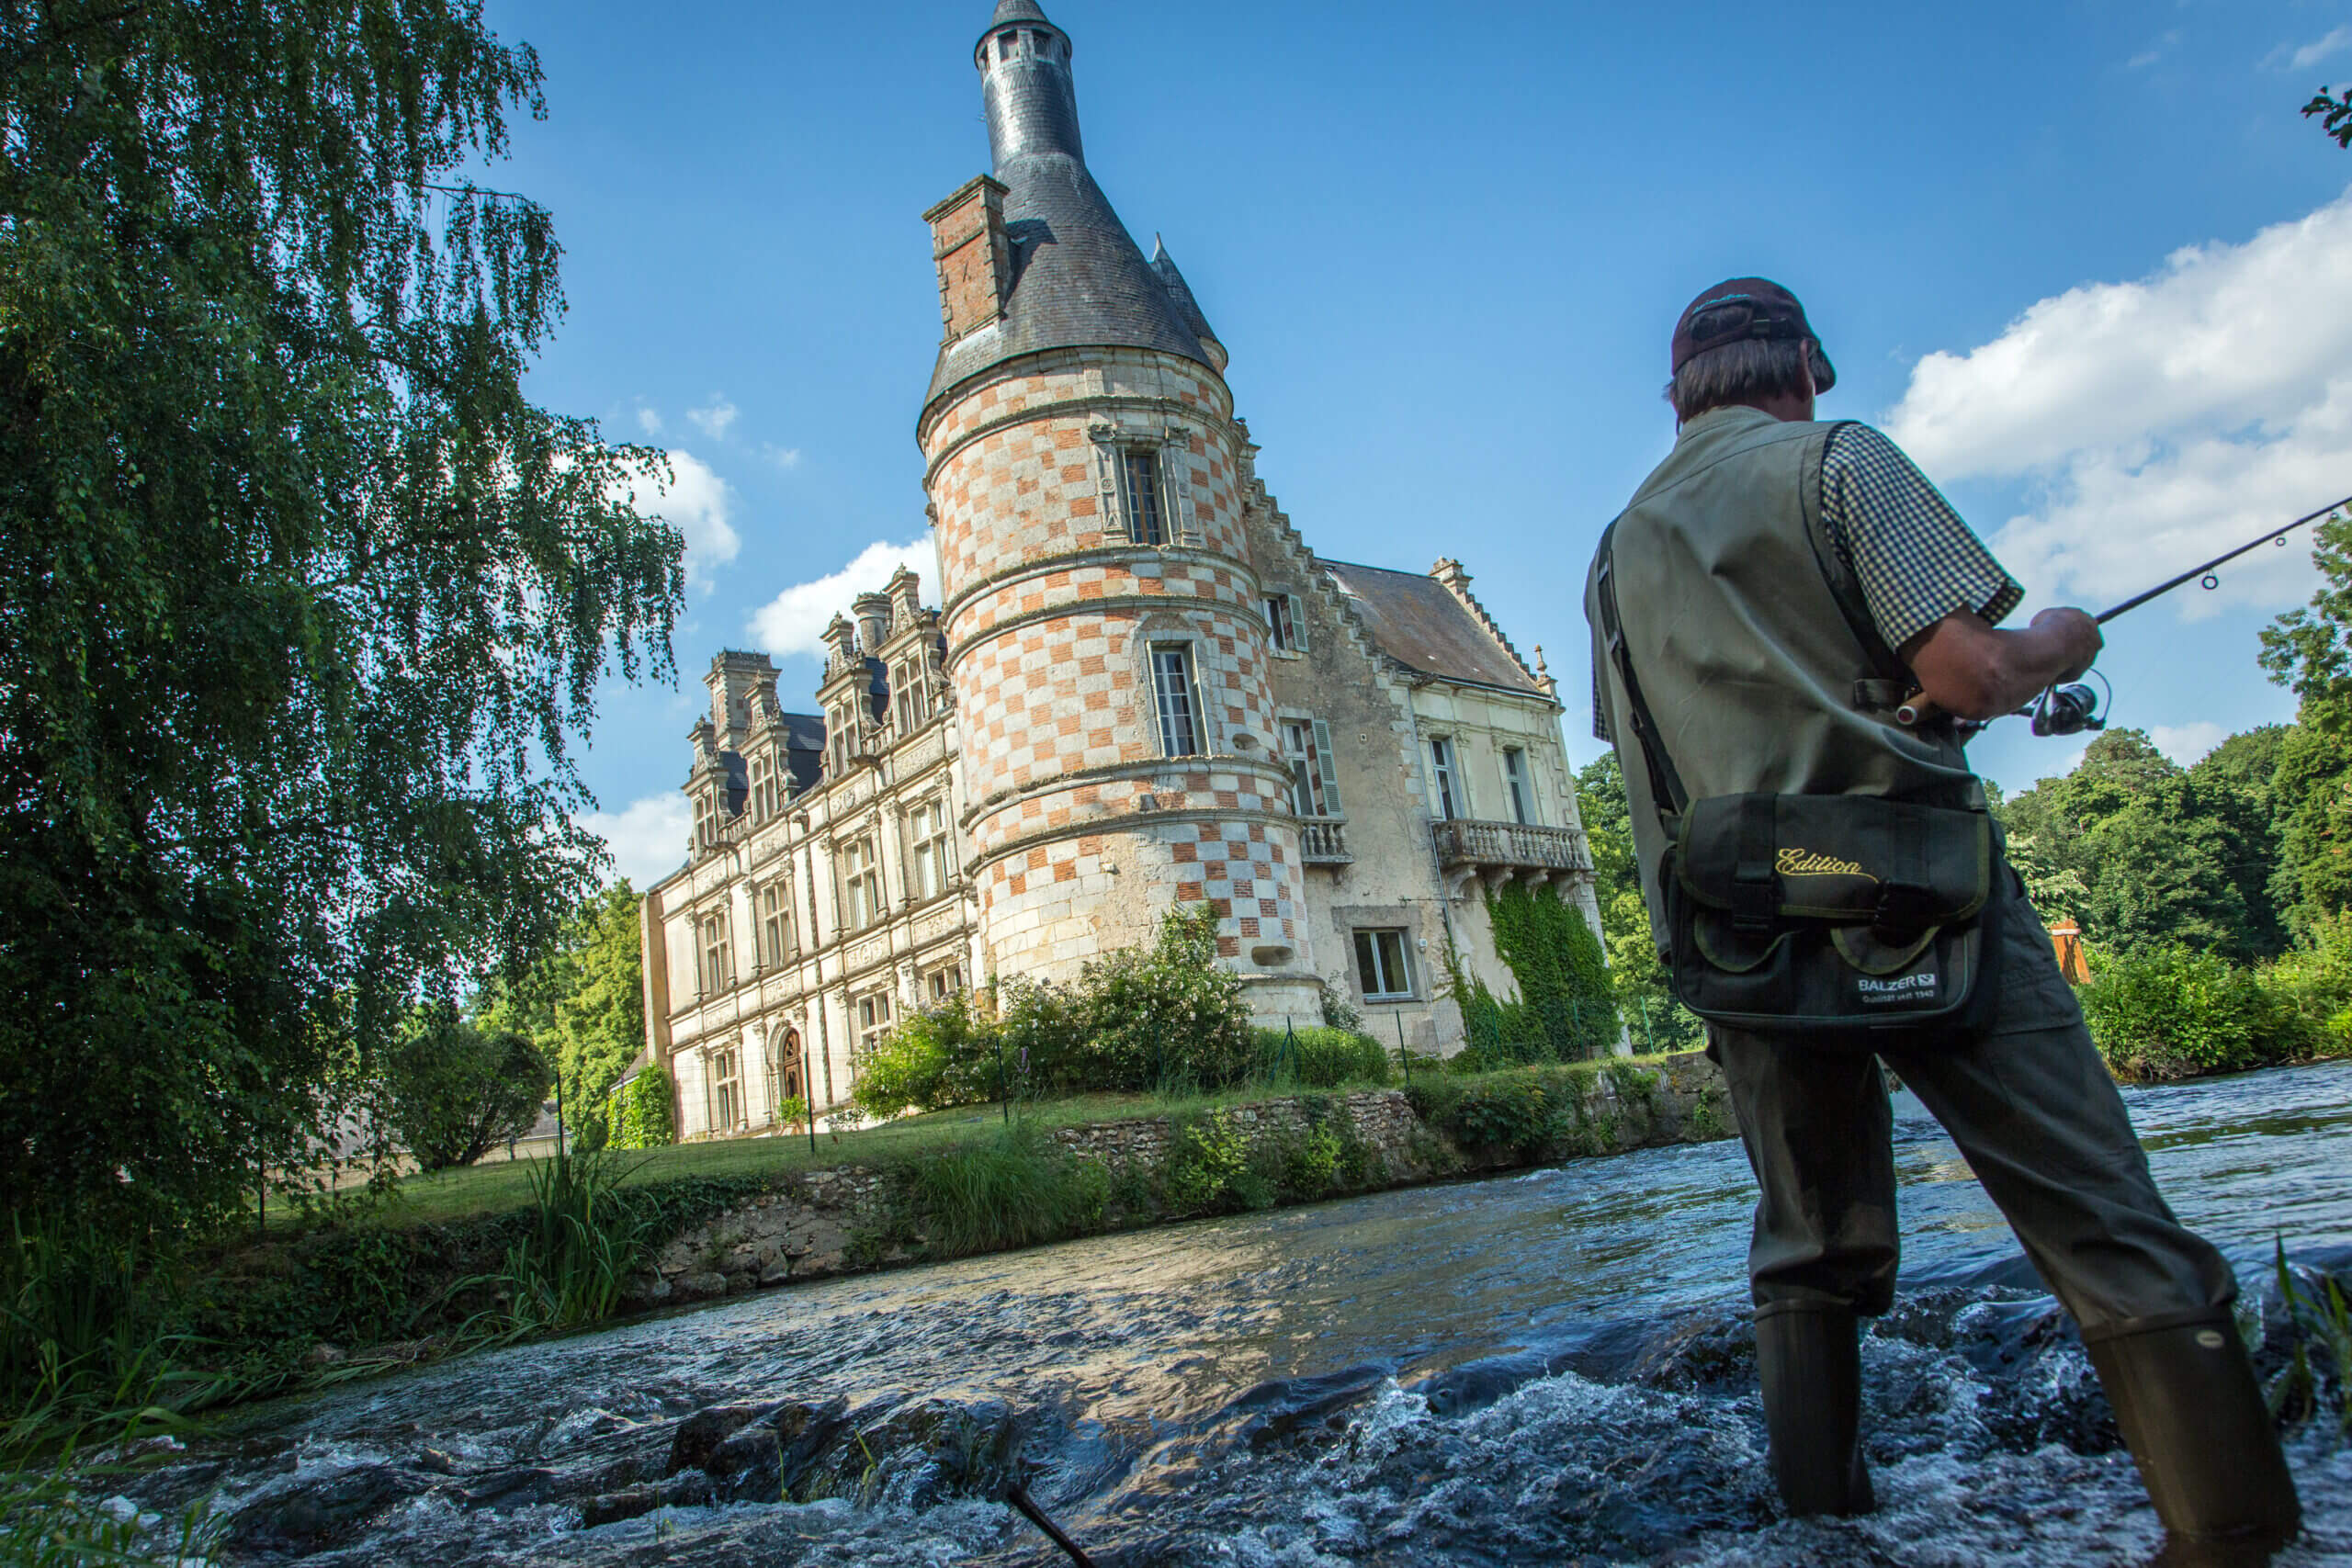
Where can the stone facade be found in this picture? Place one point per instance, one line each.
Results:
(1141, 688)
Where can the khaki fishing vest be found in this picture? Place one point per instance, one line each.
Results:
(1747, 663)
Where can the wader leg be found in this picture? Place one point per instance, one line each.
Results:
(2192, 1414)
(2037, 1116)
(1817, 1131)
(1808, 1358)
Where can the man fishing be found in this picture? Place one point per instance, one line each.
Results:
(1776, 590)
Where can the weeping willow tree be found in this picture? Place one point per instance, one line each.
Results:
(302, 601)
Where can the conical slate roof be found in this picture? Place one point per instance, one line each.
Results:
(1078, 278)
(1187, 308)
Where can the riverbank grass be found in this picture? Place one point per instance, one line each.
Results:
(471, 1192)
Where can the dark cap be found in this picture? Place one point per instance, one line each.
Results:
(1748, 309)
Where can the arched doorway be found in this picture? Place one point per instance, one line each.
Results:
(788, 1057)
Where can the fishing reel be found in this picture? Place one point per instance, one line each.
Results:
(2070, 709)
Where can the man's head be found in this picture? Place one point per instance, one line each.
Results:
(1747, 341)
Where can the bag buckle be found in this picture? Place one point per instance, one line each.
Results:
(1905, 910)
(1754, 900)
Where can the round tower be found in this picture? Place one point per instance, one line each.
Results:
(1106, 633)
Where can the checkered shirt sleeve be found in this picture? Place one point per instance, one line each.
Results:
(1916, 561)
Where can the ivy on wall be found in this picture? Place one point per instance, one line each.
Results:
(1565, 1008)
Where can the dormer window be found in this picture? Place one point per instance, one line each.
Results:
(767, 784)
(705, 819)
(840, 734)
(911, 702)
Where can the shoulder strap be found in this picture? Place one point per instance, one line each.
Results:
(1893, 683)
(1666, 785)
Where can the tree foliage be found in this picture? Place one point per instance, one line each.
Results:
(638, 1112)
(1655, 1021)
(582, 1003)
(302, 600)
(2145, 854)
(457, 1090)
(2333, 112)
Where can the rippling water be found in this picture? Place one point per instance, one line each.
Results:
(1547, 1366)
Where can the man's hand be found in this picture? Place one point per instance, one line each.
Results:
(1968, 667)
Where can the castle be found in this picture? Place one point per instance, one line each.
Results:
(1139, 688)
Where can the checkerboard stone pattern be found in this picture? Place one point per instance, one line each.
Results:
(1082, 832)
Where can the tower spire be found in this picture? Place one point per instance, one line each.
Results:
(1027, 83)
(1062, 270)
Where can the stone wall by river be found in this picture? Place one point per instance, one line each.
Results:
(817, 1223)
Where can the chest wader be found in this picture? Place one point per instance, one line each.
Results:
(1742, 597)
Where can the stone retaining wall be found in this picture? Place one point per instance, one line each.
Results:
(811, 1225)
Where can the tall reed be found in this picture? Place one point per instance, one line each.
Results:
(584, 1240)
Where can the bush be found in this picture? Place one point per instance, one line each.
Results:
(459, 1090)
(2174, 1013)
(1208, 1168)
(639, 1112)
(941, 1057)
(1317, 1057)
(1164, 1016)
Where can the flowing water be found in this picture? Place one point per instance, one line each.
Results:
(1548, 1367)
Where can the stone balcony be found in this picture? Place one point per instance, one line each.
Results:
(1323, 841)
(1497, 852)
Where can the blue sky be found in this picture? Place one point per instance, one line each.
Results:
(2083, 257)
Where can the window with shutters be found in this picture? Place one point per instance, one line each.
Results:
(1315, 783)
(776, 923)
(1286, 626)
(1173, 695)
(1140, 500)
(860, 885)
(1450, 802)
(927, 827)
(1382, 969)
(1515, 783)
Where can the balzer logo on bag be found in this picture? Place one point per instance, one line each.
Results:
(1898, 989)
(1795, 861)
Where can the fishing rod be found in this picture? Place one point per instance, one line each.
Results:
(2072, 708)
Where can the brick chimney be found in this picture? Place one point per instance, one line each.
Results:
(974, 259)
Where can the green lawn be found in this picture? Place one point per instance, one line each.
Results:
(506, 1184)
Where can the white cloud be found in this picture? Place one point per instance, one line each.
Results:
(648, 838)
(2184, 743)
(794, 620)
(714, 420)
(2157, 422)
(784, 457)
(698, 503)
(648, 420)
(2327, 47)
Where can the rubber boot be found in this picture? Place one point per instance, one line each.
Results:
(1808, 1357)
(2193, 1415)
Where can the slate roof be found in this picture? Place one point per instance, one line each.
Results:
(1417, 621)
(1078, 278)
(804, 748)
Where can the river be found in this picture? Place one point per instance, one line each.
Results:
(1547, 1366)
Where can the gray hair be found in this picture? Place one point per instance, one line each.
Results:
(1736, 373)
